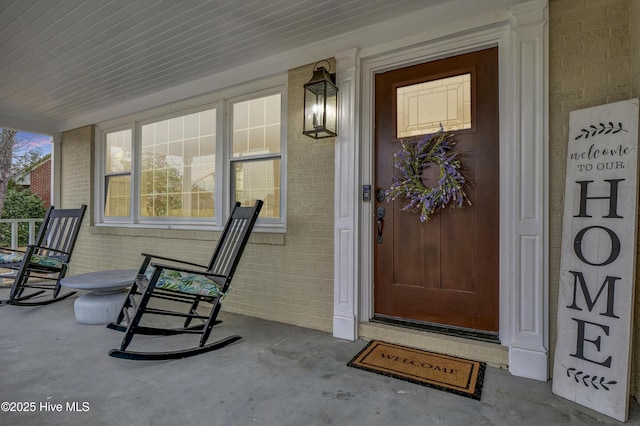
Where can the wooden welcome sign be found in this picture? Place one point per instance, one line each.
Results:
(595, 302)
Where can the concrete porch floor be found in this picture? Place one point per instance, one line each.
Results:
(275, 375)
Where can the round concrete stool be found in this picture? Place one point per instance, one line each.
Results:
(99, 307)
(103, 303)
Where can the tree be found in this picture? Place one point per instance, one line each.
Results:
(24, 161)
(159, 179)
(20, 204)
(17, 158)
(7, 142)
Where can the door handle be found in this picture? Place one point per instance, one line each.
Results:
(380, 211)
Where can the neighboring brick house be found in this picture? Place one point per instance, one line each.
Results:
(40, 181)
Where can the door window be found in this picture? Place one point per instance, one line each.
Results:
(422, 108)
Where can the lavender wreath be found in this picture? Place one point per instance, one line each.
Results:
(414, 156)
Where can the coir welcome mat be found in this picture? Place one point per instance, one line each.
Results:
(447, 373)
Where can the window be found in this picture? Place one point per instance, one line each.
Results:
(256, 142)
(424, 107)
(118, 174)
(177, 170)
(177, 166)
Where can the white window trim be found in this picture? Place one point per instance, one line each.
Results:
(275, 225)
(101, 145)
(221, 100)
(172, 222)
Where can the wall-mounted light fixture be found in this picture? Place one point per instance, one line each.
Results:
(321, 104)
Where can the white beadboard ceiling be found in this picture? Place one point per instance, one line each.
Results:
(61, 59)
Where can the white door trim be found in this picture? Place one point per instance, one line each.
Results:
(521, 36)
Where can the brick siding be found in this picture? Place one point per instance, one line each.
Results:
(41, 182)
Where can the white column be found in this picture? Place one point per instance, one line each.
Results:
(529, 293)
(347, 172)
(56, 169)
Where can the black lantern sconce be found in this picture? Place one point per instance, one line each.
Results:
(321, 104)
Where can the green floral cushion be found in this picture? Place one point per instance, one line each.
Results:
(185, 282)
(52, 262)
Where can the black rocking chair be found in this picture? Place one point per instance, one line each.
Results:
(43, 264)
(180, 282)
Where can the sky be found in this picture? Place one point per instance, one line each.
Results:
(35, 140)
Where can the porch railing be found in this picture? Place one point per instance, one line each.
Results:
(14, 235)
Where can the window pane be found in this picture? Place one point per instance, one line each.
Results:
(205, 204)
(256, 113)
(118, 197)
(176, 129)
(422, 108)
(240, 142)
(208, 122)
(256, 126)
(208, 147)
(191, 126)
(273, 110)
(161, 131)
(272, 138)
(118, 155)
(147, 135)
(258, 180)
(177, 166)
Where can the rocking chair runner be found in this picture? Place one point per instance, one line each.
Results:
(180, 282)
(46, 260)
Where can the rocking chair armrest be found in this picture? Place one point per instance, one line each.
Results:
(186, 270)
(12, 250)
(32, 246)
(184, 262)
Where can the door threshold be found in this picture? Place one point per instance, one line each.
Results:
(493, 354)
(483, 336)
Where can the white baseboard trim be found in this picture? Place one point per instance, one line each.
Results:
(344, 327)
(529, 364)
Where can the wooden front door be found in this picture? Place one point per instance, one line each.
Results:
(443, 271)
